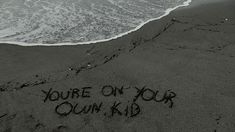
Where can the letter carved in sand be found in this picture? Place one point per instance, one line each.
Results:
(109, 101)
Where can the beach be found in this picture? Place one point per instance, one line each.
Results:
(175, 74)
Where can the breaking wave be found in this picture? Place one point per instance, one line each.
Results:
(71, 22)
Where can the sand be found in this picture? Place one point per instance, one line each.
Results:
(175, 74)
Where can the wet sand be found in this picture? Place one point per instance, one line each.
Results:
(185, 62)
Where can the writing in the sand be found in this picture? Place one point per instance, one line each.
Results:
(109, 100)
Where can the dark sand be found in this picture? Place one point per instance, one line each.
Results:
(191, 52)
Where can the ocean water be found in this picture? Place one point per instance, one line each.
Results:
(75, 21)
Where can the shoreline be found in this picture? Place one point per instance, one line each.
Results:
(167, 12)
(190, 54)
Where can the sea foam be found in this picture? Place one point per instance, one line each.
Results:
(74, 22)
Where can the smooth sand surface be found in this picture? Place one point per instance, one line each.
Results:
(186, 59)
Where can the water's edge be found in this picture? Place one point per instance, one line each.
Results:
(186, 3)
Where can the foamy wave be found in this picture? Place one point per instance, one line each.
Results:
(27, 36)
